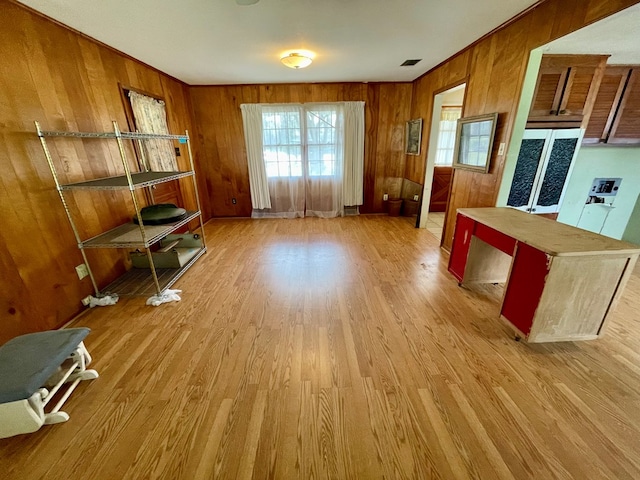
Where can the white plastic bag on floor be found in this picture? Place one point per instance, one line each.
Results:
(166, 297)
(103, 301)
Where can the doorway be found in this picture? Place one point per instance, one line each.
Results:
(448, 106)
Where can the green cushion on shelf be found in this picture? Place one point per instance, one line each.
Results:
(161, 214)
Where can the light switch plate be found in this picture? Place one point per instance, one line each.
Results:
(501, 149)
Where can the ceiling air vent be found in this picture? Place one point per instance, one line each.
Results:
(410, 63)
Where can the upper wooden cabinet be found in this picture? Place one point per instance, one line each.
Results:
(626, 125)
(606, 104)
(566, 90)
(615, 118)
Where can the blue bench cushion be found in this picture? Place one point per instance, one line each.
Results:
(27, 361)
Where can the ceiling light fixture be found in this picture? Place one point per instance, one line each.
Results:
(296, 60)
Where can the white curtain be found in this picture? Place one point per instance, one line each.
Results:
(277, 153)
(299, 156)
(283, 157)
(151, 117)
(352, 186)
(252, 122)
(447, 135)
(325, 160)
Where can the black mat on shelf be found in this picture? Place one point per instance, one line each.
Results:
(161, 214)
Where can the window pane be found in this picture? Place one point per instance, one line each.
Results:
(296, 169)
(313, 153)
(272, 169)
(268, 137)
(327, 167)
(268, 121)
(294, 120)
(315, 169)
(485, 128)
(294, 137)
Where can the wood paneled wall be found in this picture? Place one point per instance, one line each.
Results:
(494, 68)
(223, 153)
(65, 81)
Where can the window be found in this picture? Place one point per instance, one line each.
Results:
(290, 153)
(447, 135)
(304, 160)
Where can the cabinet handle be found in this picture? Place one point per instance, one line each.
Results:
(553, 112)
(533, 209)
(562, 112)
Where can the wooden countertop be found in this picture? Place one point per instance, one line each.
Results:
(551, 237)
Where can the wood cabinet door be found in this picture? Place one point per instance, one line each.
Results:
(533, 150)
(580, 92)
(544, 164)
(606, 103)
(566, 89)
(626, 126)
(555, 170)
(548, 93)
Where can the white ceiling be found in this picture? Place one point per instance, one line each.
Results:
(617, 35)
(206, 42)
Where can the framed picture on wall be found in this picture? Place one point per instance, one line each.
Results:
(474, 141)
(413, 137)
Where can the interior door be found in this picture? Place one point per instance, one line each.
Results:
(440, 188)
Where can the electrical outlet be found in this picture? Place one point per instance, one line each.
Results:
(82, 271)
(415, 198)
(234, 201)
(385, 197)
(86, 300)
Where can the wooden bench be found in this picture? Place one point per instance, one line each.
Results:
(28, 364)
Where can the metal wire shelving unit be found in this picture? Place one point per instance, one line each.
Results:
(129, 235)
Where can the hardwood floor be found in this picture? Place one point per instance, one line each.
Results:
(338, 349)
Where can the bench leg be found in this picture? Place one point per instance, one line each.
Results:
(56, 417)
(23, 416)
(84, 375)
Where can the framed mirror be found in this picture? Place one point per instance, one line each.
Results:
(474, 141)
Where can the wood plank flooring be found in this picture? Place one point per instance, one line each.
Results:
(338, 349)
